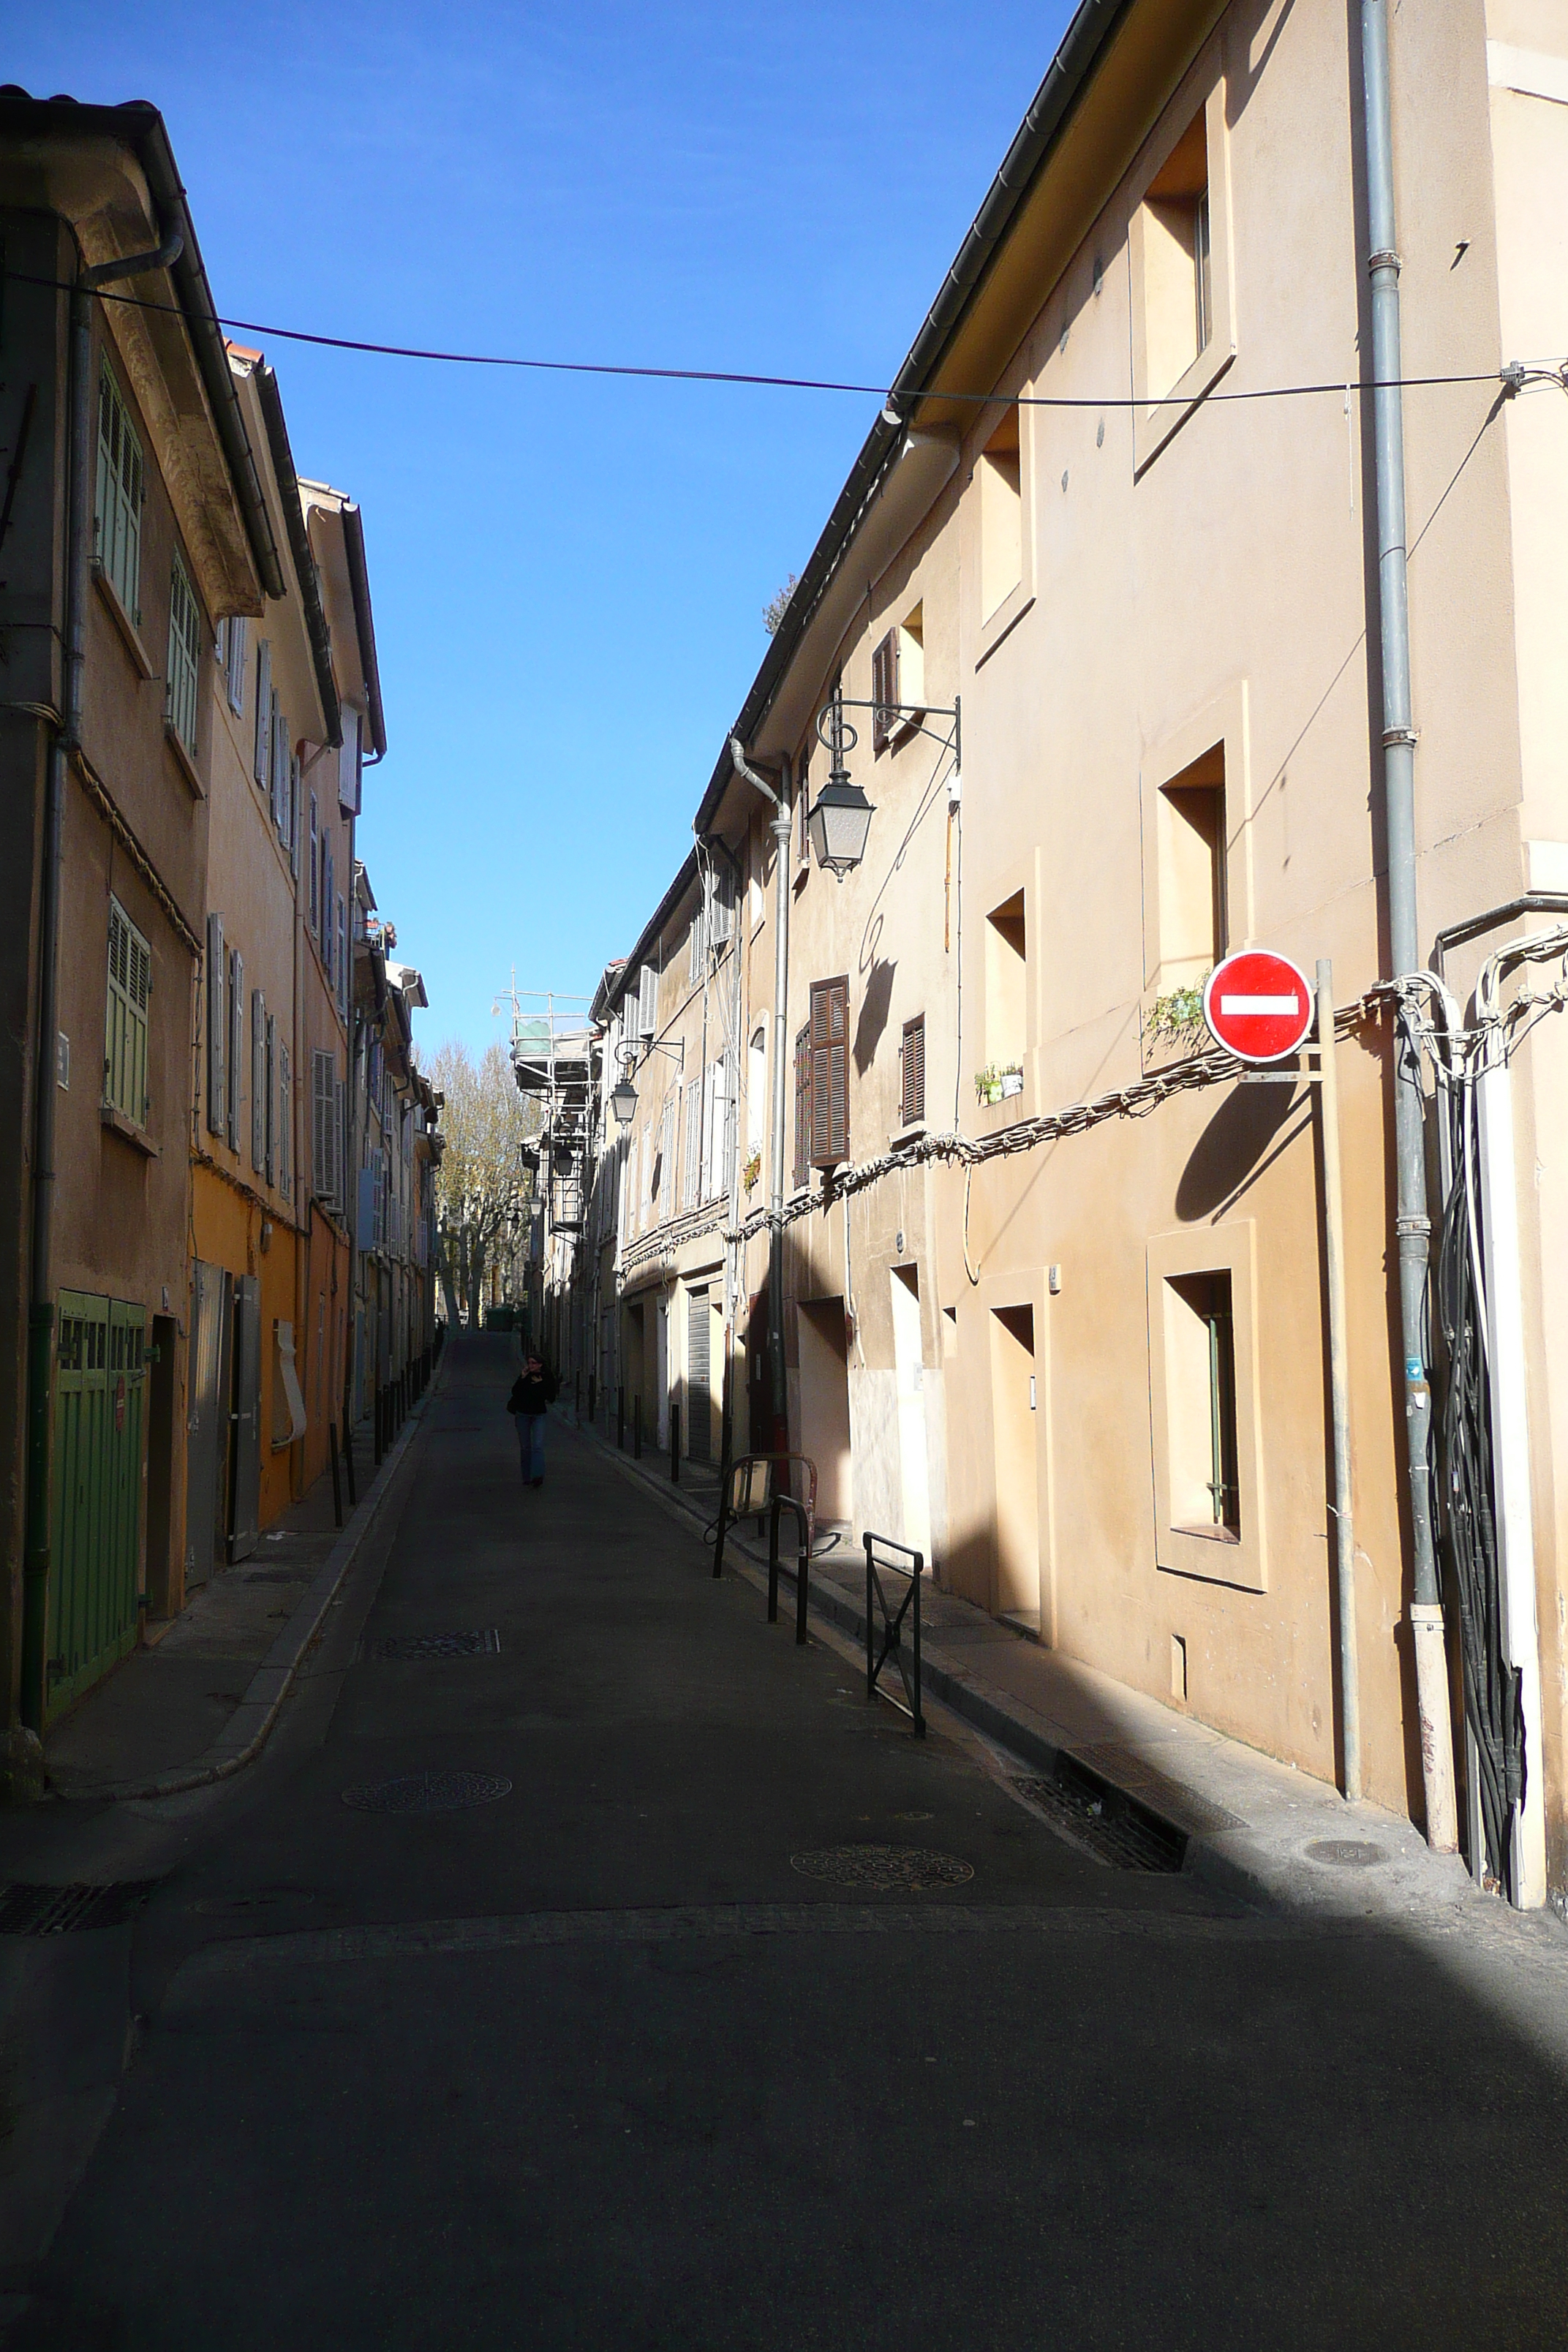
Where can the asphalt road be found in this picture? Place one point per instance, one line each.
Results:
(597, 2063)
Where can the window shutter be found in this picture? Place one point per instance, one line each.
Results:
(884, 690)
(721, 908)
(257, 1080)
(217, 1028)
(277, 765)
(692, 1163)
(340, 1154)
(829, 1071)
(342, 958)
(236, 1044)
(912, 1091)
(698, 932)
(263, 761)
(647, 1002)
(220, 645)
(710, 1149)
(315, 878)
(294, 817)
(803, 1104)
(270, 1137)
(328, 919)
(285, 1125)
(235, 666)
(321, 1120)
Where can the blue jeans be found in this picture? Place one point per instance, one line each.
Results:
(531, 1443)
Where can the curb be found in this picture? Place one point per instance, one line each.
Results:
(1222, 1873)
(251, 1726)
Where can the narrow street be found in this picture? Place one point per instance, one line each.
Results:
(597, 2062)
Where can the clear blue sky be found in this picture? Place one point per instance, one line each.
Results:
(568, 574)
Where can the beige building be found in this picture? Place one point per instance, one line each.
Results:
(1098, 597)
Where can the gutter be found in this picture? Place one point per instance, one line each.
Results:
(1082, 44)
(305, 570)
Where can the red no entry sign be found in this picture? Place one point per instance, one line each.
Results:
(1257, 1005)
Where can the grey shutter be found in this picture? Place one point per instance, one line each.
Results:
(270, 1137)
(294, 817)
(698, 930)
(236, 1044)
(285, 1125)
(647, 1002)
(340, 1140)
(315, 881)
(321, 1122)
(217, 1028)
(279, 764)
(263, 761)
(257, 1080)
(884, 691)
(721, 911)
(328, 917)
(343, 956)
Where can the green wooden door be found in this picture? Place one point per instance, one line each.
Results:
(99, 1399)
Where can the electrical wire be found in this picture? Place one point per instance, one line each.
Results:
(1517, 375)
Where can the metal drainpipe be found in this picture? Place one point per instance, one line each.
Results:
(783, 831)
(68, 739)
(1412, 1223)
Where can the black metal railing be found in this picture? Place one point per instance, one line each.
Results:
(906, 1656)
(733, 1505)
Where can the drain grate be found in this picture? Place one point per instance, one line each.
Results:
(910, 1869)
(1113, 1825)
(60, 1910)
(482, 1644)
(428, 1792)
(1171, 1799)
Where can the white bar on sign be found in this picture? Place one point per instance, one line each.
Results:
(1254, 1005)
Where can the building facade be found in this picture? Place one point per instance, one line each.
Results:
(1030, 1272)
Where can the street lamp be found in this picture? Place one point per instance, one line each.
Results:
(623, 1102)
(841, 820)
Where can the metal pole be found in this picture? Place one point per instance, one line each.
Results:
(1412, 1226)
(1339, 1382)
(774, 1563)
(783, 831)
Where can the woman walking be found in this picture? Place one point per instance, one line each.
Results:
(534, 1392)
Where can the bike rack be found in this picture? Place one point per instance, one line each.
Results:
(893, 1624)
(730, 1511)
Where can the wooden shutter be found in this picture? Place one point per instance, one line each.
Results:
(285, 1125)
(321, 1124)
(329, 924)
(270, 1138)
(315, 877)
(691, 1158)
(236, 1044)
(257, 1080)
(721, 908)
(343, 956)
(263, 761)
(913, 1092)
(829, 1071)
(217, 1028)
(699, 933)
(803, 1105)
(884, 691)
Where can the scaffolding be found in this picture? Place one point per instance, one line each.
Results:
(556, 1059)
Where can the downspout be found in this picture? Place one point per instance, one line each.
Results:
(782, 832)
(1412, 1226)
(67, 742)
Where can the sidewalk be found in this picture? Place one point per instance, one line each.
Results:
(199, 1696)
(1106, 1763)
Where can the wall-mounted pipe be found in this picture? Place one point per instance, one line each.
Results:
(1412, 1223)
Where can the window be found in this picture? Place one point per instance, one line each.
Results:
(756, 1086)
(217, 1029)
(1191, 852)
(236, 1057)
(323, 1129)
(315, 875)
(1000, 516)
(690, 1174)
(1205, 1419)
(829, 1071)
(261, 764)
(912, 1073)
(125, 1025)
(1200, 1391)
(1178, 289)
(897, 682)
(1007, 991)
(184, 657)
(121, 488)
(698, 937)
(259, 1106)
(234, 661)
(343, 958)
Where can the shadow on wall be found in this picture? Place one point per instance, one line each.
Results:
(1234, 1148)
(874, 1003)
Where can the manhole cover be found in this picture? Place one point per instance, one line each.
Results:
(908, 1868)
(59, 1910)
(1346, 1854)
(485, 1643)
(428, 1792)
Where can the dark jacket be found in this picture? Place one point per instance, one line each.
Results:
(533, 1392)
